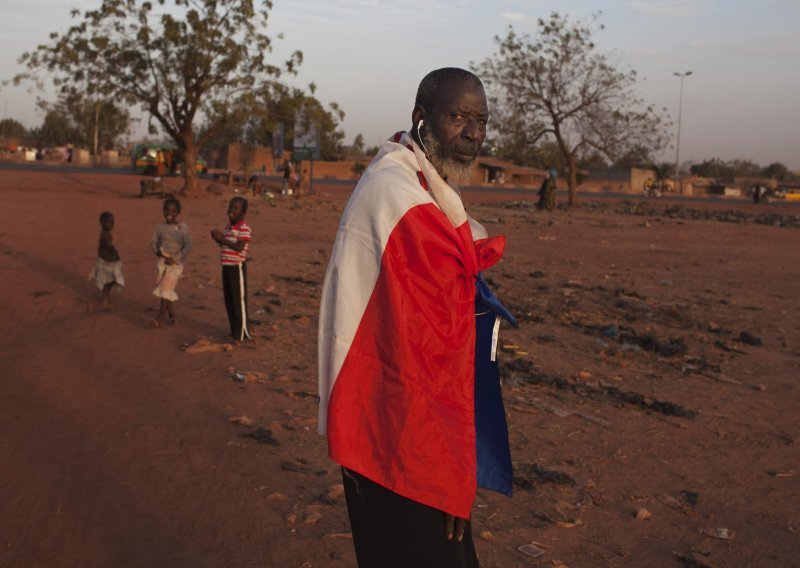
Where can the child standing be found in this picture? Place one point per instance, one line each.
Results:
(233, 243)
(171, 243)
(107, 271)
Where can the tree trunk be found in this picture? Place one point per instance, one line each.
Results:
(572, 180)
(190, 177)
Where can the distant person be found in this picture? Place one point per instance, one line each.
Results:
(234, 242)
(759, 193)
(254, 185)
(287, 174)
(547, 192)
(107, 271)
(171, 243)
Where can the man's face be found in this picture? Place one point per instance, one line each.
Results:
(455, 128)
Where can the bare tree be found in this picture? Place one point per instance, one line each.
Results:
(176, 62)
(557, 87)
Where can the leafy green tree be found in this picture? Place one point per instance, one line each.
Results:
(594, 160)
(10, 128)
(56, 129)
(255, 121)
(714, 168)
(97, 124)
(745, 168)
(664, 170)
(558, 87)
(358, 145)
(636, 156)
(177, 62)
(776, 170)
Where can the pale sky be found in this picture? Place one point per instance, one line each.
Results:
(742, 100)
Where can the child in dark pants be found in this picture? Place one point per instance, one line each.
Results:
(233, 244)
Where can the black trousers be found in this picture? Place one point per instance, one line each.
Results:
(234, 286)
(391, 531)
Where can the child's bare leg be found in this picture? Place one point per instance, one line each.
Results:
(106, 296)
(162, 311)
(171, 319)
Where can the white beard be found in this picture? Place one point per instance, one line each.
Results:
(454, 172)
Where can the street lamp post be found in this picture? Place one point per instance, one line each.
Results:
(678, 142)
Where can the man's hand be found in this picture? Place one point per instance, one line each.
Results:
(454, 527)
(216, 234)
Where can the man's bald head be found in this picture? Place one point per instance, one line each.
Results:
(430, 87)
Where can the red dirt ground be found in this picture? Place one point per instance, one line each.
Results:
(117, 449)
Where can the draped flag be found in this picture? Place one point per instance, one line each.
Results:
(397, 332)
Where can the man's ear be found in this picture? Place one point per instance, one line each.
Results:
(417, 114)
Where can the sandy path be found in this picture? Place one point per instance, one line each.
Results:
(117, 450)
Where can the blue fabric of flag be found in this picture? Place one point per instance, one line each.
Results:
(491, 428)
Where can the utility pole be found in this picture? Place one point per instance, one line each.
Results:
(678, 142)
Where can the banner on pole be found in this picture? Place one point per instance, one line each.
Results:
(306, 138)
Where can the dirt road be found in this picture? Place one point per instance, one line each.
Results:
(634, 382)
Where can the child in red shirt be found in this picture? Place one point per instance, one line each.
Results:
(233, 243)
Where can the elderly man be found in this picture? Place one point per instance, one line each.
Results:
(411, 413)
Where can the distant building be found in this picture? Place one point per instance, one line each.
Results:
(489, 170)
(616, 180)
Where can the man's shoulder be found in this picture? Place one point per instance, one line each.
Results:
(393, 169)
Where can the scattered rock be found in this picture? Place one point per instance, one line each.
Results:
(206, 346)
(243, 420)
(719, 344)
(250, 377)
(531, 474)
(694, 560)
(291, 518)
(691, 497)
(531, 550)
(276, 497)
(643, 514)
(262, 436)
(335, 491)
(786, 473)
(749, 339)
(486, 535)
(298, 466)
(718, 532)
(670, 501)
(610, 330)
